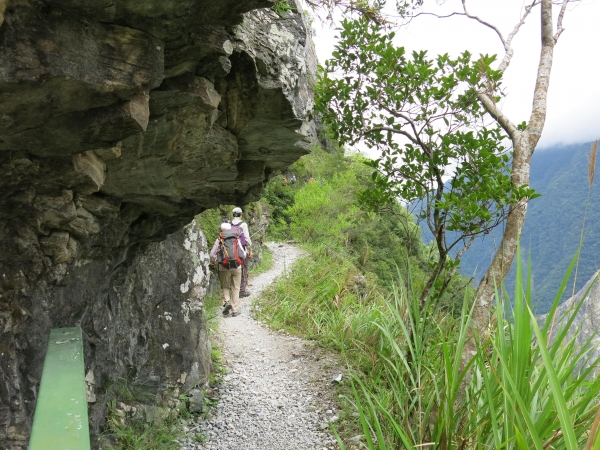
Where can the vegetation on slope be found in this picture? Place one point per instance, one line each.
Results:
(358, 293)
(322, 210)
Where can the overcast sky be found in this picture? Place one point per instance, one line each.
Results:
(574, 96)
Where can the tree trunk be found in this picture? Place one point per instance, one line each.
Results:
(524, 143)
(485, 294)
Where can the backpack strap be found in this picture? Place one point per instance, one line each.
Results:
(223, 247)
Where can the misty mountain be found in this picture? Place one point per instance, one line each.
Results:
(553, 225)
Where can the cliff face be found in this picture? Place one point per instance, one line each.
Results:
(119, 121)
(587, 322)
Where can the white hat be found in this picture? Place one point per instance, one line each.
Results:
(225, 226)
(237, 210)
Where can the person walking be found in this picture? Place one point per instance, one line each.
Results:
(228, 254)
(243, 226)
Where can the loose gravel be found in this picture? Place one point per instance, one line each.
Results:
(277, 393)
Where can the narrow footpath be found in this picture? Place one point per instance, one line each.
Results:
(277, 393)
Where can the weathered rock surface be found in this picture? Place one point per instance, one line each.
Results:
(587, 322)
(119, 121)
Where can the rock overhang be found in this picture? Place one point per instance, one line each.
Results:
(119, 121)
(131, 100)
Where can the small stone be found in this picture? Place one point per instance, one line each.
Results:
(196, 402)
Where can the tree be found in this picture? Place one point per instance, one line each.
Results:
(524, 138)
(425, 117)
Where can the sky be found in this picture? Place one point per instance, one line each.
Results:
(574, 95)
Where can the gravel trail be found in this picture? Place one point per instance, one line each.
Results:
(277, 393)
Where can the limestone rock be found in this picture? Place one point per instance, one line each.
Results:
(92, 167)
(56, 211)
(587, 322)
(119, 122)
(3, 4)
(110, 153)
(57, 246)
(196, 401)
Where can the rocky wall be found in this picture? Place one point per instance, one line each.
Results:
(586, 324)
(119, 121)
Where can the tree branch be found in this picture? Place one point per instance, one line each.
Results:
(498, 115)
(509, 51)
(561, 14)
(487, 24)
(399, 115)
(361, 8)
(540, 93)
(506, 43)
(393, 130)
(400, 173)
(465, 248)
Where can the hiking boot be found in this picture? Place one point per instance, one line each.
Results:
(244, 294)
(234, 314)
(226, 308)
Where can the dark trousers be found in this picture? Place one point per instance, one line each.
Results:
(244, 282)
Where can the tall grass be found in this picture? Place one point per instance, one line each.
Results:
(517, 391)
(528, 385)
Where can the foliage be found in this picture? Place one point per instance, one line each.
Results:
(425, 118)
(372, 10)
(209, 221)
(266, 262)
(279, 197)
(409, 388)
(324, 297)
(283, 7)
(325, 212)
(524, 392)
(135, 434)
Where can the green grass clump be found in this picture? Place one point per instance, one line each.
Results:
(266, 262)
(212, 307)
(322, 298)
(136, 434)
(129, 391)
(527, 386)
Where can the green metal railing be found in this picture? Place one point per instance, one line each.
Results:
(61, 420)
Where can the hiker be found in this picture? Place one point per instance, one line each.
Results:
(243, 226)
(293, 179)
(228, 253)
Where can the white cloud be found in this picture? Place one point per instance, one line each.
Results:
(574, 95)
